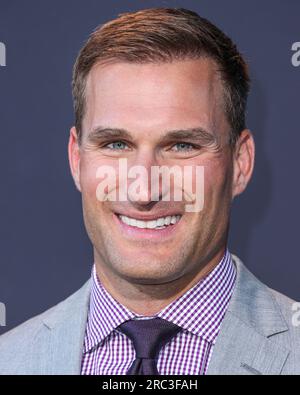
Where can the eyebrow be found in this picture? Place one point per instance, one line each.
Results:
(192, 134)
(100, 132)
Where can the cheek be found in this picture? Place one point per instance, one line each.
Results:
(217, 182)
(97, 171)
(88, 178)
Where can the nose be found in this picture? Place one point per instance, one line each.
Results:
(143, 189)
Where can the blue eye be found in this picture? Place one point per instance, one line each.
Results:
(184, 147)
(117, 145)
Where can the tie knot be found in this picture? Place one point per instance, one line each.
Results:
(149, 335)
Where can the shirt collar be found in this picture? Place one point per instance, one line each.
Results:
(200, 310)
(105, 314)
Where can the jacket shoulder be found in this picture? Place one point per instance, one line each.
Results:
(273, 314)
(19, 341)
(290, 310)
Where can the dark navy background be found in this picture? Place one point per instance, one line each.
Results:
(45, 254)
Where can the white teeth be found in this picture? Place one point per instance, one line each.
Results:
(132, 222)
(135, 222)
(159, 223)
(168, 220)
(151, 224)
(173, 220)
(139, 224)
(126, 220)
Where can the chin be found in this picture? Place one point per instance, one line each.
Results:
(146, 269)
(151, 263)
(149, 278)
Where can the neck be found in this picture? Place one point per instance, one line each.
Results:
(150, 299)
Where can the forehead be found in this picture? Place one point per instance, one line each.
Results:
(155, 96)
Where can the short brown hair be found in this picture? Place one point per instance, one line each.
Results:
(164, 35)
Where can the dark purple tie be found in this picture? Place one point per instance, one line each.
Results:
(148, 337)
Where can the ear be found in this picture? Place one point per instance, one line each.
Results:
(74, 157)
(243, 162)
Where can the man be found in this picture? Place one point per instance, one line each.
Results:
(160, 88)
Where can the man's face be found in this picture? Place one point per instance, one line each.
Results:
(149, 102)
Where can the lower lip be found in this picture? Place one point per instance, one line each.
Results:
(145, 233)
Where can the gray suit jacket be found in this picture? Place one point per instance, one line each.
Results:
(257, 335)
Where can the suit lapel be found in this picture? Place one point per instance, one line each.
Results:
(240, 349)
(65, 330)
(245, 344)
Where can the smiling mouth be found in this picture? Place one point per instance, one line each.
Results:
(156, 224)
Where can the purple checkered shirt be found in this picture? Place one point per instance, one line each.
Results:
(199, 312)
